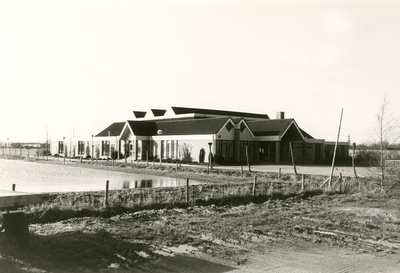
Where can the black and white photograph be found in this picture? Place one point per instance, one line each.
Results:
(202, 136)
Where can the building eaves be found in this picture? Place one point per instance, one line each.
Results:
(191, 127)
(305, 134)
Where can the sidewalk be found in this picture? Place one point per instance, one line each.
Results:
(313, 170)
(346, 171)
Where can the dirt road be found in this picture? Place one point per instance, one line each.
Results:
(328, 233)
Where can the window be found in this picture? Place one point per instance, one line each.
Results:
(229, 126)
(224, 148)
(60, 147)
(81, 147)
(167, 148)
(251, 146)
(105, 147)
(138, 149)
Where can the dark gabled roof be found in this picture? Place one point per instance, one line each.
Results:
(143, 128)
(191, 127)
(186, 110)
(112, 130)
(272, 127)
(305, 134)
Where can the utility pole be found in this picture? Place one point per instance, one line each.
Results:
(334, 152)
(47, 142)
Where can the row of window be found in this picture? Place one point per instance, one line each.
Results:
(169, 149)
(226, 149)
(105, 147)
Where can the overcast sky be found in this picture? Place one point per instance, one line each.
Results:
(78, 66)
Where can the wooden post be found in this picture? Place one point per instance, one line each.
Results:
(187, 190)
(176, 165)
(106, 195)
(334, 151)
(279, 174)
(254, 185)
(352, 160)
(247, 158)
(241, 170)
(208, 167)
(147, 158)
(291, 153)
(340, 182)
(210, 155)
(302, 182)
(13, 187)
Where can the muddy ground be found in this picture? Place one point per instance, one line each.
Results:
(358, 233)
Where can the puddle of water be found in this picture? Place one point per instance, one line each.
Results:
(182, 249)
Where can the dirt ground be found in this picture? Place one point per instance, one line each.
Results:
(326, 233)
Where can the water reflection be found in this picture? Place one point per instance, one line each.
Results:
(145, 183)
(126, 185)
(155, 182)
(37, 177)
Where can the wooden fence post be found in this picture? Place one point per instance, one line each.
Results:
(106, 195)
(247, 158)
(279, 174)
(340, 182)
(241, 170)
(187, 190)
(13, 187)
(302, 182)
(353, 160)
(291, 153)
(254, 185)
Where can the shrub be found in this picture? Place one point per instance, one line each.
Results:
(201, 155)
(186, 153)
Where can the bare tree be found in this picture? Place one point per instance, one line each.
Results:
(386, 134)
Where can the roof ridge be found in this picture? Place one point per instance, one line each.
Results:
(191, 120)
